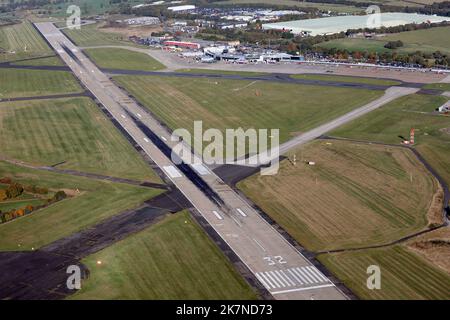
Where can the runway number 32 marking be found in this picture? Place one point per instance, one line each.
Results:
(275, 260)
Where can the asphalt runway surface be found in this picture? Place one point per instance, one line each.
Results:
(283, 271)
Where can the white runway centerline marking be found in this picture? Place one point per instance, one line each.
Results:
(242, 213)
(218, 216)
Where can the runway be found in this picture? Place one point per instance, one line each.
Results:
(260, 247)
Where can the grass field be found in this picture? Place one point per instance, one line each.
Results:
(427, 40)
(173, 259)
(300, 4)
(97, 200)
(73, 131)
(404, 275)
(115, 58)
(6, 206)
(92, 35)
(346, 79)
(397, 118)
(438, 86)
(29, 83)
(226, 104)
(356, 195)
(47, 61)
(21, 41)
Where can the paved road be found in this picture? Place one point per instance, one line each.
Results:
(277, 264)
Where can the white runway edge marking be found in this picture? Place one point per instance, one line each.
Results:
(201, 169)
(304, 289)
(218, 216)
(242, 213)
(172, 172)
(292, 277)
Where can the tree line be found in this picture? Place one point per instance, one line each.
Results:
(15, 190)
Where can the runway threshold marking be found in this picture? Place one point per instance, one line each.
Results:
(293, 277)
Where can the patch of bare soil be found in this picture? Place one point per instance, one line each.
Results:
(445, 130)
(434, 214)
(435, 247)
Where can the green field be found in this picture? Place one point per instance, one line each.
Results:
(427, 40)
(73, 131)
(173, 259)
(92, 35)
(29, 83)
(404, 275)
(299, 4)
(226, 104)
(346, 79)
(438, 86)
(114, 58)
(355, 195)
(6, 206)
(47, 61)
(21, 41)
(95, 201)
(397, 118)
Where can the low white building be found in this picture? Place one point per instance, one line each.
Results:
(181, 8)
(143, 21)
(445, 107)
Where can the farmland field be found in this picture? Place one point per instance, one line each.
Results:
(225, 104)
(96, 200)
(300, 4)
(173, 259)
(28, 83)
(427, 40)
(356, 195)
(115, 58)
(92, 35)
(72, 132)
(21, 41)
(349, 79)
(397, 118)
(404, 275)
